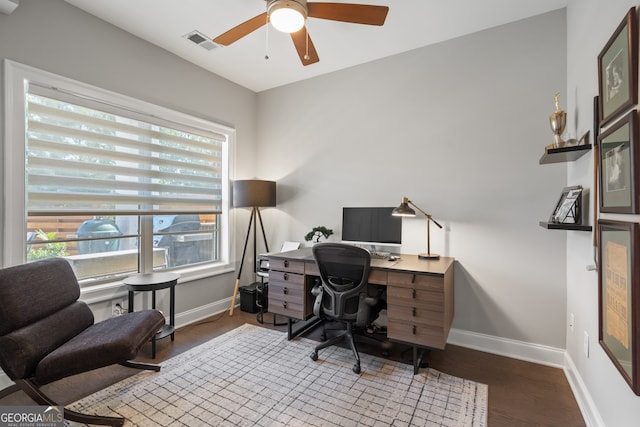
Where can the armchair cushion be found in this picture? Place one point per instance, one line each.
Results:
(115, 339)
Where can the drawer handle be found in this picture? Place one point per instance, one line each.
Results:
(285, 291)
(413, 278)
(414, 329)
(286, 276)
(413, 293)
(414, 312)
(286, 263)
(284, 304)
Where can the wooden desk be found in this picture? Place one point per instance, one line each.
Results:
(419, 294)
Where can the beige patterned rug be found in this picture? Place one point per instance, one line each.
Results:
(253, 376)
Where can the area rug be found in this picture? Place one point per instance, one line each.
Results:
(253, 376)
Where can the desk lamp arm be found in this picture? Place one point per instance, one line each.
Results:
(429, 217)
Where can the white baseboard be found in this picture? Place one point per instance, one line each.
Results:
(192, 316)
(588, 408)
(521, 350)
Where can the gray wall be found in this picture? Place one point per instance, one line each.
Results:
(590, 23)
(458, 127)
(59, 38)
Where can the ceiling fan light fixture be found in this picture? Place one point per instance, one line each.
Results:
(287, 16)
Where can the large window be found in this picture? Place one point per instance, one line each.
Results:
(113, 184)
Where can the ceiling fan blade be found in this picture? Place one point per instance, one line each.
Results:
(239, 31)
(346, 12)
(300, 41)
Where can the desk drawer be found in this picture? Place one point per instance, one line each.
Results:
(286, 265)
(415, 315)
(290, 298)
(415, 298)
(292, 309)
(286, 291)
(418, 281)
(378, 277)
(285, 277)
(415, 333)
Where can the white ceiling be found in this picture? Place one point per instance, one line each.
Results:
(410, 24)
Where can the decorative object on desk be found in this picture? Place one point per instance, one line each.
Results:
(254, 194)
(619, 292)
(317, 233)
(558, 121)
(568, 208)
(266, 370)
(619, 166)
(405, 210)
(618, 69)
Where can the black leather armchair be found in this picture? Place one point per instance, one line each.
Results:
(342, 295)
(47, 334)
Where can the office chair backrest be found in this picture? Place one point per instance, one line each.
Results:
(344, 270)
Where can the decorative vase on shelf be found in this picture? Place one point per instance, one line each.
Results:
(558, 121)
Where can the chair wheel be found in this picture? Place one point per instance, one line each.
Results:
(323, 337)
(356, 369)
(314, 356)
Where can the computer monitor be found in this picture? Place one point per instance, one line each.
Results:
(371, 226)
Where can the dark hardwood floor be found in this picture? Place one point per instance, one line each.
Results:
(520, 393)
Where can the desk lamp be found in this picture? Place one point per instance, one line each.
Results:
(405, 210)
(254, 194)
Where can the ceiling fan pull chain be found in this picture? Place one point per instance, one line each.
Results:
(266, 45)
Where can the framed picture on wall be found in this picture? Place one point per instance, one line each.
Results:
(619, 297)
(618, 158)
(618, 69)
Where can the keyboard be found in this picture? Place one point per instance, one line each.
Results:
(379, 255)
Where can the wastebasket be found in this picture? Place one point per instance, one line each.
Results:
(248, 298)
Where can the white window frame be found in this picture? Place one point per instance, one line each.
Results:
(13, 204)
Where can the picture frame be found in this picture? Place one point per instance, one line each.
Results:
(619, 164)
(618, 69)
(568, 207)
(618, 297)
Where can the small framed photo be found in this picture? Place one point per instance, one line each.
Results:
(568, 207)
(619, 297)
(619, 163)
(618, 69)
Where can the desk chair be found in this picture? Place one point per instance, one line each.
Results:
(342, 295)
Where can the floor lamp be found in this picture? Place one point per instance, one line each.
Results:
(254, 194)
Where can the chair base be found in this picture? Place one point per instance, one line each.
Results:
(349, 336)
(32, 390)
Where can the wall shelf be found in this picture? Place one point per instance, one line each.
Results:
(560, 226)
(564, 154)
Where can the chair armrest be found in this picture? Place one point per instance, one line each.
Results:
(317, 291)
(365, 305)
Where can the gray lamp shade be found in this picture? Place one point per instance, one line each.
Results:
(250, 193)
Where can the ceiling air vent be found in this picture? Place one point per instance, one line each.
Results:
(201, 40)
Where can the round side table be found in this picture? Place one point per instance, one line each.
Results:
(153, 282)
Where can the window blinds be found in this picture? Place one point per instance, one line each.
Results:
(91, 158)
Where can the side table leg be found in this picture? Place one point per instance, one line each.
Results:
(172, 309)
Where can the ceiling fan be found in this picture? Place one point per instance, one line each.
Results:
(290, 15)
